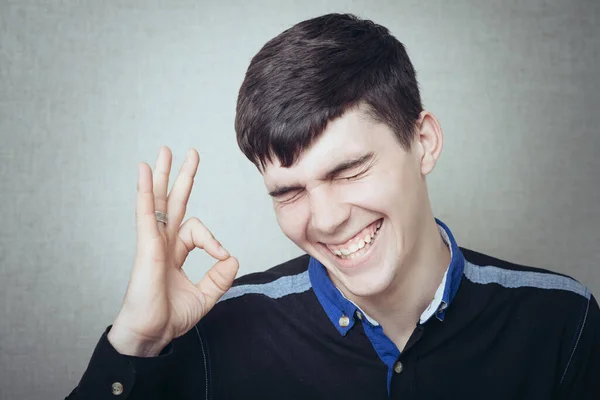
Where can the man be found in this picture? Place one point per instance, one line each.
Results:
(384, 305)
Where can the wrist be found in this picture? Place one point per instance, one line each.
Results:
(130, 344)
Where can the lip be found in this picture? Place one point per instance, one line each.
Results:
(354, 263)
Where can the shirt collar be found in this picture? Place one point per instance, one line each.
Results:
(342, 312)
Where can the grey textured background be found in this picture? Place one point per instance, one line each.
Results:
(90, 88)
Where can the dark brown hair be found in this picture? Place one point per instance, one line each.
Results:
(311, 74)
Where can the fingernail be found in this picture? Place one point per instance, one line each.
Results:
(223, 252)
(188, 155)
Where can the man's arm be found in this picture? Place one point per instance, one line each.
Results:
(114, 376)
(580, 378)
(111, 375)
(138, 356)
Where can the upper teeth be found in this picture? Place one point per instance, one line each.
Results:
(356, 246)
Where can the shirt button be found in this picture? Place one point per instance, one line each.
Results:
(398, 367)
(359, 315)
(117, 388)
(344, 321)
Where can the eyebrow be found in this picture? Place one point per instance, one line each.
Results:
(332, 173)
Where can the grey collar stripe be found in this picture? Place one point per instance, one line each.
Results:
(280, 287)
(516, 279)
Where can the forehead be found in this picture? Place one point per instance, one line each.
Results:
(352, 135)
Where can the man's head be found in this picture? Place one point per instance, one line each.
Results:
(330, 113)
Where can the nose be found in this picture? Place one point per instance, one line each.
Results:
(328, 213)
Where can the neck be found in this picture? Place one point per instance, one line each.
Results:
(399, 308)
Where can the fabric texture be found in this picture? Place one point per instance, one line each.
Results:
(507, 332)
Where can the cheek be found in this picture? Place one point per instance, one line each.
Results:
(380, 194)
(293, 220)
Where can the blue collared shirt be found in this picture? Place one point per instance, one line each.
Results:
(339, 308)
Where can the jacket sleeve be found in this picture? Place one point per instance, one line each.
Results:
(580, 378)
(111, 375)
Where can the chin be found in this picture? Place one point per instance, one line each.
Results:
(369, 284)
(367, 274)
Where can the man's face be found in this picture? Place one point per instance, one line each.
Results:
(354, 201)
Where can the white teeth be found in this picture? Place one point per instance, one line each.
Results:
(350, 252)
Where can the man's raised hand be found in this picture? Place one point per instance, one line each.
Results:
(161, 303)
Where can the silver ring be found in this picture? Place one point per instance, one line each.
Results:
(161, 217)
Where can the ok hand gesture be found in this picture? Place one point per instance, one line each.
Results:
(161, 303)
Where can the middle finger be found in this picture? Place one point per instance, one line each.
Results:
(180, 192)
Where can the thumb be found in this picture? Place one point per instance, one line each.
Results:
(217, 281)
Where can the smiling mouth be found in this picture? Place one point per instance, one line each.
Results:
(359, 245)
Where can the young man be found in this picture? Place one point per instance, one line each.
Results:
(384, 305)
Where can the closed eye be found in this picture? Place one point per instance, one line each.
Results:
(288, 197)
(352, 177)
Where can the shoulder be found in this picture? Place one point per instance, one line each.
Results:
(283, 287)
(551, 301)
(544, 312)
(260, 305)
(541, 296)
(482, 269)
(290, 277)
(288, 268)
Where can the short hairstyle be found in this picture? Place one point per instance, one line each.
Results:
(315, 71)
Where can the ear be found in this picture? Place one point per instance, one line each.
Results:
(430, 141)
